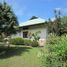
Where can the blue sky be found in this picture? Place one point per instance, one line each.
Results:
(25, 9)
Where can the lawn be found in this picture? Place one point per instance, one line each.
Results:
(21, 56)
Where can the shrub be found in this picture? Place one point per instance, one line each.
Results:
(17, 41)
(53, 39)
(57, 51)
(21, 41)
(30, 43)
(27, 42)
(34, 43)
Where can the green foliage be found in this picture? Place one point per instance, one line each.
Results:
(21, 41)
(36, 35)
(64, 25)
(27, 42)
(8, 20)
(35, 43)
(59, 25)
(57, 51)
(17, 41)
(52, 39)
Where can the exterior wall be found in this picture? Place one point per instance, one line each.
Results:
(41, 28)
(33, 29)
(43, 33)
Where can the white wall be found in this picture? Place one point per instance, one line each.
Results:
(42, 28)
(33, 29)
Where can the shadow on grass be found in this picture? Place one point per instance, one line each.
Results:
(12, 51)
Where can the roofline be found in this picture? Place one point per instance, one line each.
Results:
(33, 24)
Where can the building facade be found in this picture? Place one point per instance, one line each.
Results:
(27, 29)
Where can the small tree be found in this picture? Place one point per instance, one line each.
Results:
(36, 35)
(8, 20)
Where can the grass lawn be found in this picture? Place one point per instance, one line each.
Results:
(19, 56)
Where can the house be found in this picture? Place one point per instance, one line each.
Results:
(33, 26)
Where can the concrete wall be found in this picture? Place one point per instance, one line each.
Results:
(41, 28)
(33, 29)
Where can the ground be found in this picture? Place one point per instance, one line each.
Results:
(21, 56)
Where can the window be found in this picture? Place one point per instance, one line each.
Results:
(25, 34)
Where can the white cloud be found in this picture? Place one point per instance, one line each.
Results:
(58, 8)
(63, 10)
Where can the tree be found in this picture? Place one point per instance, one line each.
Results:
(58, 21)
(56, 25)
(64, 25)
(8, 20)
(59, 25)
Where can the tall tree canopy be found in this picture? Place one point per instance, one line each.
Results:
(8, 20)
(64, 25)
(59, 25)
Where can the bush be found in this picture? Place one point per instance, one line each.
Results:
(17, 41)
(53, 39)
(27, 42)
(57, 51)
(21, 41)
(34, 43)
(30, 43)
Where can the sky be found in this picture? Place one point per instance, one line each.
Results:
(25, 9)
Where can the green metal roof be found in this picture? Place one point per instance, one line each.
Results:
(32, 22)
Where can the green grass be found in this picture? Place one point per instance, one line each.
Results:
(19, 56)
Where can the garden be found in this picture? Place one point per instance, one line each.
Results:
(20, 52)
